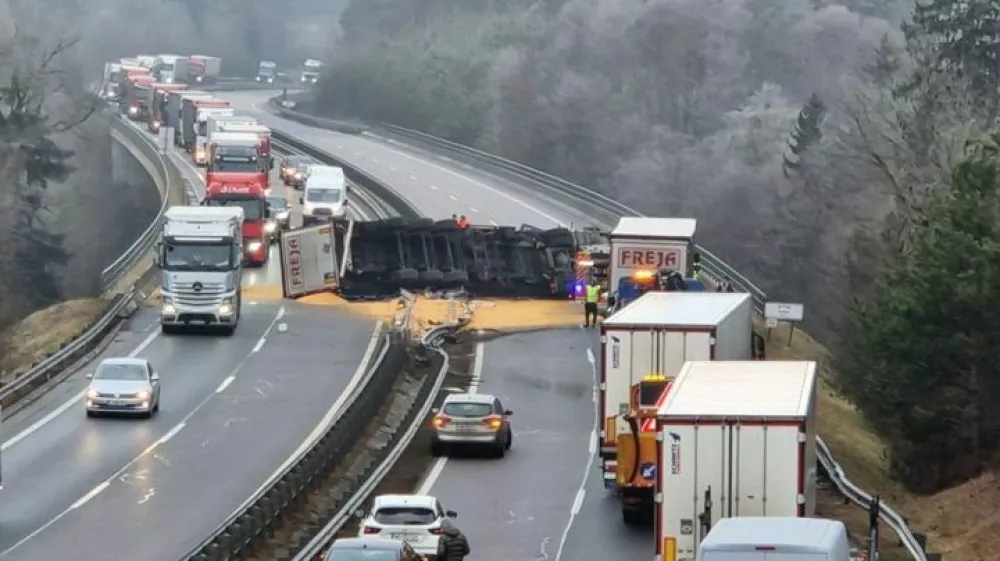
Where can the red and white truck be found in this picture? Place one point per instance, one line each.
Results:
(134, 90)
(656, 335)
(264, 141)
(158, 104)
(203, 69)
(189, 118)
(734, 439)
(641, 245)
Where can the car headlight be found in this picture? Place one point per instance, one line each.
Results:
(253, 246)
(270, 80)
(200, 154)
(142, 395)
(91, 394)
(198, 78)
(283, 215)
(270, 226)
(133, 110)
(298, 175)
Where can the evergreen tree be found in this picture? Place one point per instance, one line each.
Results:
(926, 345)
(807, 132)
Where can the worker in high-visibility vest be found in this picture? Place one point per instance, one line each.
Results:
(593, 295)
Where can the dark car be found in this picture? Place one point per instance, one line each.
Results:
(294, 169)
(370, 549)
(280, 211)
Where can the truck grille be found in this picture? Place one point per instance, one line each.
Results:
(184, 293)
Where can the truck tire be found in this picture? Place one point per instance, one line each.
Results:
(632, 517)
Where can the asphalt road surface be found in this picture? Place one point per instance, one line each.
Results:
(519, 507)
(233, 409)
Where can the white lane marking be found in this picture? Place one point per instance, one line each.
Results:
(592, 448)
(71, 401)
(438, 466)
(413, 177)
(473, 209)
(469, 179)
(494, 222)
(581, 492)
(90, 495)
(578, 502)
(225, 384)
(332, 412)
(173, 432)
(259, 345)
(453, 197)
(434, 187)
(133, 461)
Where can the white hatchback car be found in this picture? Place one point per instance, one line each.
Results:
(414, 519)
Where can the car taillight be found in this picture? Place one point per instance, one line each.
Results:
(440, 421)
(493, 422)
(437, 531)
(372, 530)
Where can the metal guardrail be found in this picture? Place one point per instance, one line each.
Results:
(431, 343)
(116, 270)
(257, 518)
(595, 204)
(52, 365)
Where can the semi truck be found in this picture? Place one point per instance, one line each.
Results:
(112, 79)
(310, 71)
(172, 115)
(642, 246)
(733, 439)
(171, 69)
(158, 104)
(201, 267)
(203, 69)
(249, 196)
(263, 134)
(267, 72)
(200, 155)
(650, 340)
(133, 93)
(189, 118)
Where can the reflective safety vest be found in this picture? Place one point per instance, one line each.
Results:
(593, 293)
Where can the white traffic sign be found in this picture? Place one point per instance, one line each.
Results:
(783, 311)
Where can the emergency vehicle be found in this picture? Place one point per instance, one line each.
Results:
(636, 456)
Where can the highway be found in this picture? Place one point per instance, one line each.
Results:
(545, 500)
(233, 410)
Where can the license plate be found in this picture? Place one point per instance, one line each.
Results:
(408, 538)
(115, 402)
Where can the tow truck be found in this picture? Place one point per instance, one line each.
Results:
(234, 177)
(201, 270)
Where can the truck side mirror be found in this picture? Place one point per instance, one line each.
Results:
(302, 200)
(270, 164)
(158, 258)
(267, 213)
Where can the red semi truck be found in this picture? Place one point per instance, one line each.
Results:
(235, 175)
(134, 92)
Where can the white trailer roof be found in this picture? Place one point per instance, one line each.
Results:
(236, 137)
(787, 535)
(643, 227)
(678, 309)
(733, 389)
(203, 213)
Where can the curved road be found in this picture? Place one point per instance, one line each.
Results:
(550, 505)
(234, 408)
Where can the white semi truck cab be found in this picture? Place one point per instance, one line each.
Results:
(200, 257)
(310, 71)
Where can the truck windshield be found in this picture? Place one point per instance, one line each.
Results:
(253, 208)
(238, 162)
(323, 195)
(115, 77)
(198, 256)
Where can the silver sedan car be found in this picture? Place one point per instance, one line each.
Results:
(125, 386)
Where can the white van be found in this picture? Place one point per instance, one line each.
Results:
(324, 197)
(764, 538)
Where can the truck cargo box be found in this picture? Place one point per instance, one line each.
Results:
(741, 434)
(658, 333)
(650, 244)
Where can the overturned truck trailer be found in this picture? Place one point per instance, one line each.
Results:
(378, 258)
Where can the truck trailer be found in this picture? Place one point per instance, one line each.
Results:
(171, 69)
(734, 439)
(203, 69)
(641, 247)
(175, 101)
(200, 257)
(189, 118)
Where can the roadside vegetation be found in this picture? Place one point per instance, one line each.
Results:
(839, 153)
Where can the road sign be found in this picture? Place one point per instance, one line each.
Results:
(784, 311)
(648, 471)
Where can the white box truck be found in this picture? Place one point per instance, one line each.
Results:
(734, 439)
(647, 245)
(756, 538)
(657, 334)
